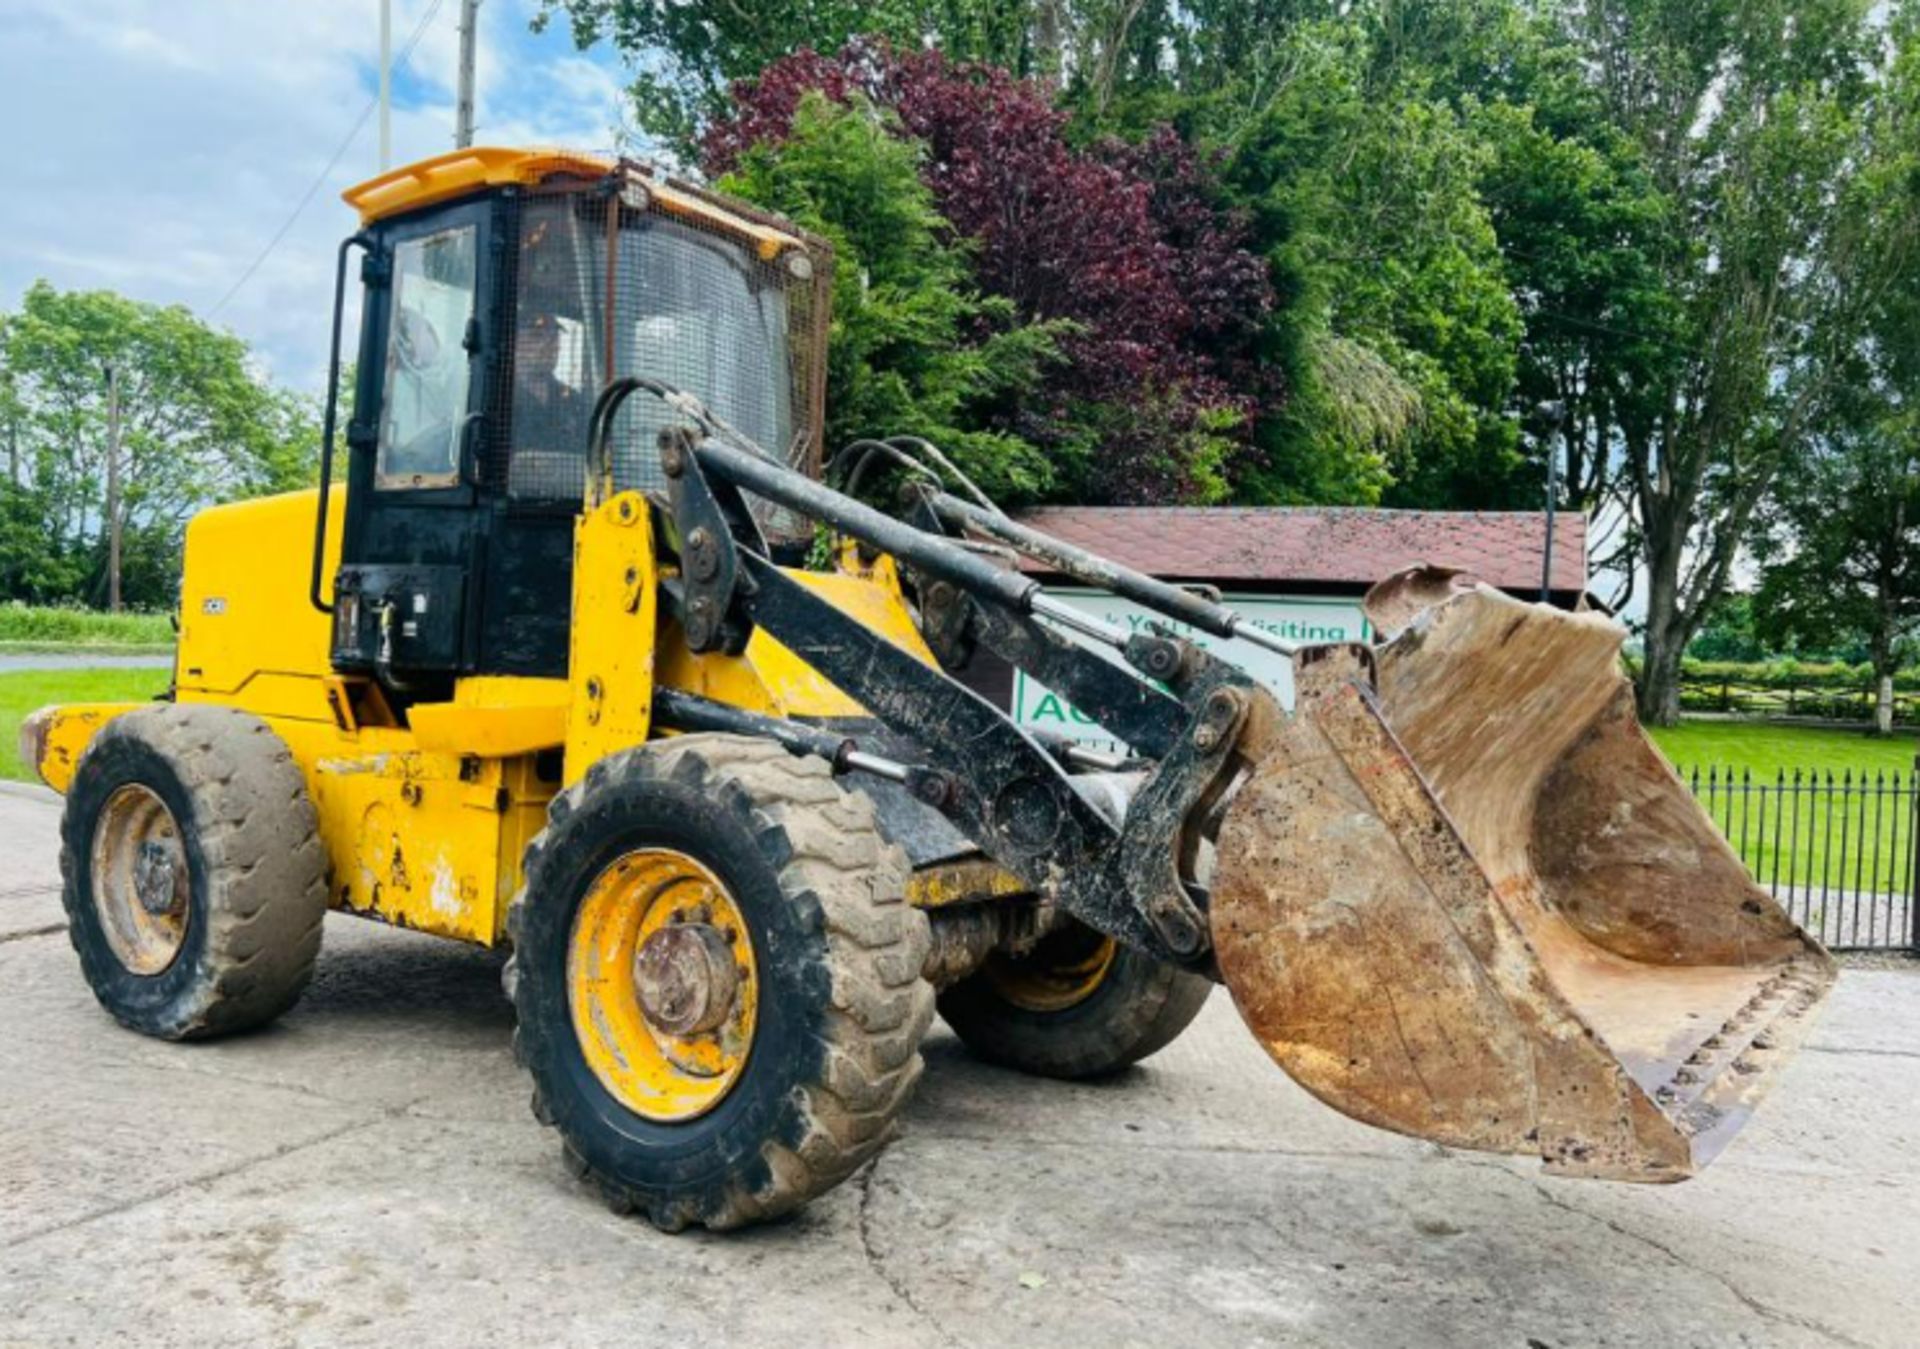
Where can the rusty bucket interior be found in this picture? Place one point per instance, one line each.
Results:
(1462, 896)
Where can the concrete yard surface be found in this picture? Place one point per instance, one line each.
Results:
(367, 1172)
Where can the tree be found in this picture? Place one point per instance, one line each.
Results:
(1359, 168)
(1383, 367)
(1842, 547)
(1157, 302)
(914, 349)
(1850, 520)
(1753, 121)
(1732, 633)
(1649, 214)
(689, 56)
(1399, 331)
(1580, 224)
(198, 425)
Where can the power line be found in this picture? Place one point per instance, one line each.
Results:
(333, 162)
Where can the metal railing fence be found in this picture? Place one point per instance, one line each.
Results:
(1837, 849)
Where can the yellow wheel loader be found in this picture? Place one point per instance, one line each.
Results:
(582, 658)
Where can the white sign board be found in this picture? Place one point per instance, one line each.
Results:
(1298, 619)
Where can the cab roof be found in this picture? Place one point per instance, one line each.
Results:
(465, 172)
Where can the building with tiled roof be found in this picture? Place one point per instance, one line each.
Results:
(1298, 573)
(1326, 551)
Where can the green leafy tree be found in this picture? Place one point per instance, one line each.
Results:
(1841, 548)
(1755, 121)
(1666, 221)
(1580, 224)
(915, 349)
(1850, 521)
(198, 424)
(1396, 334)
(687, 56)
(1732, 634)
(1397, 326)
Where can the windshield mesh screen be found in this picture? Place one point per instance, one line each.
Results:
(610, 283)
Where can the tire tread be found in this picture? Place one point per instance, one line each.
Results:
(265, 884)
(827, 849)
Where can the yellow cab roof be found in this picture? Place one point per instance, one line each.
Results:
(461, 173)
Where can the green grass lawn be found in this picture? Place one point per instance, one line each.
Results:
(1765, 749)
(22, 691)
(1807, 833)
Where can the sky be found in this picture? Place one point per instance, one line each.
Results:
(155, 147)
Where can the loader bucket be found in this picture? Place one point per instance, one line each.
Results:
(1460, 895)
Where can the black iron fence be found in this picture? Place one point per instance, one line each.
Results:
(1837, 849)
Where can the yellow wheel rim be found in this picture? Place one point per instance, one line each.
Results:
(662, 984)
(139, 880)
(1061, 972)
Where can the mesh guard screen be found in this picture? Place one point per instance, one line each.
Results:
(606, 284)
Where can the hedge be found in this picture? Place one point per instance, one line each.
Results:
(62, 626)
(1786, 674)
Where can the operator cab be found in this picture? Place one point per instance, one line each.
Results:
(502, 291)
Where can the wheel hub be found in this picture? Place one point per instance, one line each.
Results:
(686, 978)
(139, 880)
(153, 878)
(662, 984)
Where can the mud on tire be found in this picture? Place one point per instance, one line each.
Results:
(838, 952)
(254, 891)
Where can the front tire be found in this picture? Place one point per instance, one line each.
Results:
(193, 874)
(1078, 1005)
(717, 980)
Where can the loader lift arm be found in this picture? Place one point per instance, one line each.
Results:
(1130, 878)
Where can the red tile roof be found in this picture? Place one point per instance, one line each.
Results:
(1346, 546)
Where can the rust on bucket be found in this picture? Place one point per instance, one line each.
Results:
(1460, 895)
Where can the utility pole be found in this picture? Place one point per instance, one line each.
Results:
(463, 102)
(1554, 415)
(1553, 502)
(386, 85)
(113, 488)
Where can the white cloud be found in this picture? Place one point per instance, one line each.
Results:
(155, 146)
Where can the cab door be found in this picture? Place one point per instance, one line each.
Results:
(411, 538)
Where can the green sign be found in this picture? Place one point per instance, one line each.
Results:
(1298, 619)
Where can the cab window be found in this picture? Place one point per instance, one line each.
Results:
(428, 368)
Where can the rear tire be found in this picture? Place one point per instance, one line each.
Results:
(1079, 1005)
(749, 1117)
(193, 874)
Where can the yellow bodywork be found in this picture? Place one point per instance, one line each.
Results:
(495, 717)
(65, 734)
(967, 881)
(463, 172)
(425, 822)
